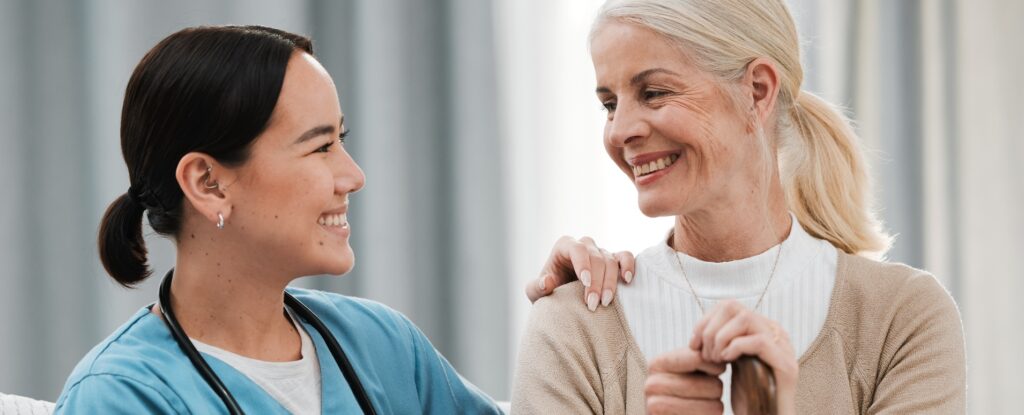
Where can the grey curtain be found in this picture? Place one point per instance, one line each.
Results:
(416, 80)
(933, 87)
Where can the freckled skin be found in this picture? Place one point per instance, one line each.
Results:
(686, 110)
(295, 183)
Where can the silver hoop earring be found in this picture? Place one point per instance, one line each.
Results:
(206, 181)
(220, 220)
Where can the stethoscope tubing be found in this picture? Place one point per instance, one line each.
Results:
(204, 369)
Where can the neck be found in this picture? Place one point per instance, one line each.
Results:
(226, 304)
(731, 230)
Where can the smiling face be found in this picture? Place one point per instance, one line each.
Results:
(671, 127)
(290, 197)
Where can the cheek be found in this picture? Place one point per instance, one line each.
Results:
(312, 192)
(291, 193)
(709, 135)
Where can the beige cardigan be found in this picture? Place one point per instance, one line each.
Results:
(892, 343)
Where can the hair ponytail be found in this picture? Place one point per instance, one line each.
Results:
(825, 179)
(122, 247)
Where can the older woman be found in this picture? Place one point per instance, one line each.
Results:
(769, 253)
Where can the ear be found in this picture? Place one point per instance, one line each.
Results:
(201, 179)
(763, 79)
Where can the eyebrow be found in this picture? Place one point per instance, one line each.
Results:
(639, 78)
(318, 131)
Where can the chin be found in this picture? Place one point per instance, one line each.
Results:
(653, 207)
(343, 267)
(339, 264)
(336, 269)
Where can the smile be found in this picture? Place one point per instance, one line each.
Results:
(654, 166)
(334, 220)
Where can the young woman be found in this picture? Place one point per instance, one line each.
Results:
(233, 137)
(707, 118)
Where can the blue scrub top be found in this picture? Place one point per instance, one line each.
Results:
(140, 369)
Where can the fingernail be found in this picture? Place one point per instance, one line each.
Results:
(629, 277)
(585, 278)
(592, 301)
(542, 283)
(606, 298)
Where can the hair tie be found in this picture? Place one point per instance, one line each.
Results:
(135, 196)
(144, 198)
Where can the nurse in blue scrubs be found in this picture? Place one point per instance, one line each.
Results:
(234, 142)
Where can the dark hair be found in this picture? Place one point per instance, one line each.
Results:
(202, 89)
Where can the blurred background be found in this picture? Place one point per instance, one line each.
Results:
(477, 127)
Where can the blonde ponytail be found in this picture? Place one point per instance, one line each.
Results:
(820, 162)
(825, 179)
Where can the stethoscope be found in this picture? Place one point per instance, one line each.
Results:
(215, 383)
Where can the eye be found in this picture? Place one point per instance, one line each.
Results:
(326, 148)
(609, 105)
(653, 94)
(341, 137)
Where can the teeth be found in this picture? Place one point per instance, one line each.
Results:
(339, 219)
(653, 166)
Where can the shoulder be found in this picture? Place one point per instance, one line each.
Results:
(565, 306)
(903, 333)
(886, 287)
(562, 319)
(135, 360)
(885, 307)
(569, 357)
(134, 350)
(118, 394)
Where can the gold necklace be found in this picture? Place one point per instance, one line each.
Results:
(694, 292)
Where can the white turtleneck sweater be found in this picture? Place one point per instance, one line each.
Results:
(662, 312)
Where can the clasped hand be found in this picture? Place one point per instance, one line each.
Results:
(685, 381)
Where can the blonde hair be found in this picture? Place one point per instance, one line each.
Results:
(821, 164)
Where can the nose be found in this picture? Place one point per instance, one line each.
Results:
(626, 125)
(348, 177)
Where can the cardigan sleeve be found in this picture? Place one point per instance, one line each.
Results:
(557, 370)
(923, 366)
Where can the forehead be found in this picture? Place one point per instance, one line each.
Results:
(621, 50)
(308, 96)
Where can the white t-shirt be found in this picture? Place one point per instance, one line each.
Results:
(296, 384)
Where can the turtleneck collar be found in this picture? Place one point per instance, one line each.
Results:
(746, 277)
